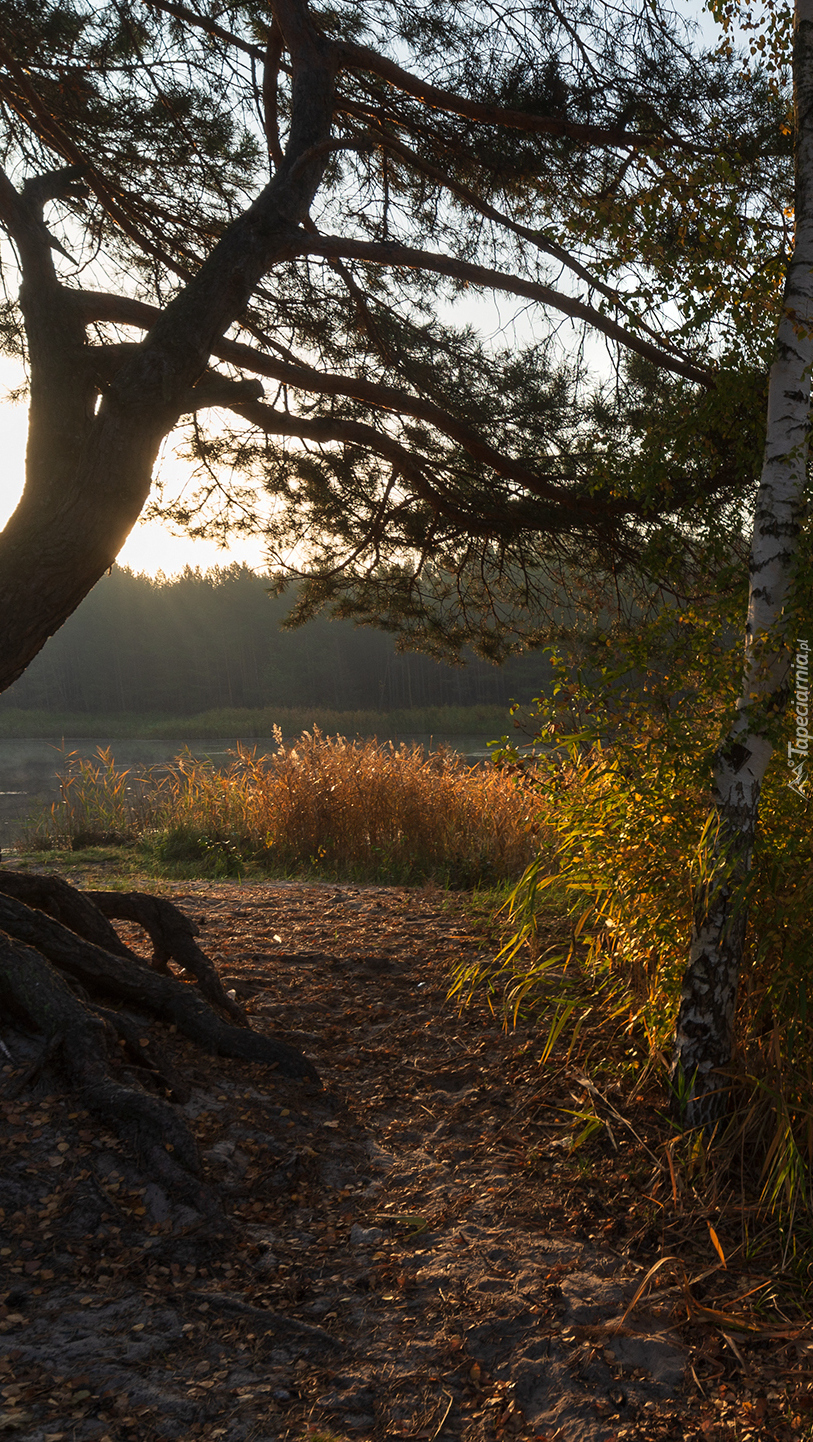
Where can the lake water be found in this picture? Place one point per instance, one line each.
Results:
(29, 769)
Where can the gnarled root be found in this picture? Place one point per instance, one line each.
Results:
(68, 946)
(33, 991)
(164, 996)
(64, 903)
(86, 912)
(173, 939)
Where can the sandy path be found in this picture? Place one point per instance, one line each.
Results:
(409, 1252)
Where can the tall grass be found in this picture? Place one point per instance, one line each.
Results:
(324, 805)
(628, 822)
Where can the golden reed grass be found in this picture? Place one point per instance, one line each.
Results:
(359, 809)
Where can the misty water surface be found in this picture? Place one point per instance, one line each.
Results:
(29, 769)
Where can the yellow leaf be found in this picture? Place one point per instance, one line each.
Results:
(715, 1242)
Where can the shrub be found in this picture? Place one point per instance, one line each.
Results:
(622, 776)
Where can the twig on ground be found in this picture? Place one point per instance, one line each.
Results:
(442, 1422)
(264, 1317)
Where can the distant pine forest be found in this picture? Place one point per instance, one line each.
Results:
(210, 643)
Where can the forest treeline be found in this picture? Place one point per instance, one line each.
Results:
(200, 642)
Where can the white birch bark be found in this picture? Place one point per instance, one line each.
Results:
(705, 1026)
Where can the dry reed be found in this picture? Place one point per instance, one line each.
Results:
(328, 805)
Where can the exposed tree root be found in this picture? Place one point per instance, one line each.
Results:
(31, 990)
(48, 1051)
(173, 939)
(172, 934)
(143, 1055)
(64, 903)
(61, 961)
(166, 997)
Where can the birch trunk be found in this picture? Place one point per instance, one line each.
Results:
(705, 1026)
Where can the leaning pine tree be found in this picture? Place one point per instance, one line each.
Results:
(262, 214)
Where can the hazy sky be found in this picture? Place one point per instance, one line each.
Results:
(149, 548)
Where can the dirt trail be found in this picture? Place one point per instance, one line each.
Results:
(408, 1253)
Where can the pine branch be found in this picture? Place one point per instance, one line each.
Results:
(391, 254)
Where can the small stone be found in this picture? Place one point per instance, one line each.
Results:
(365, 1236)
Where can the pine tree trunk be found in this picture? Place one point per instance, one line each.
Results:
(88, 470)
(705, 1027)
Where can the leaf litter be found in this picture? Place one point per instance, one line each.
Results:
(413, 1251)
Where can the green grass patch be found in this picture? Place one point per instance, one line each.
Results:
(109, 868)
(486, 721)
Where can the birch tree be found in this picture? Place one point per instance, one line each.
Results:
(705, 1025)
